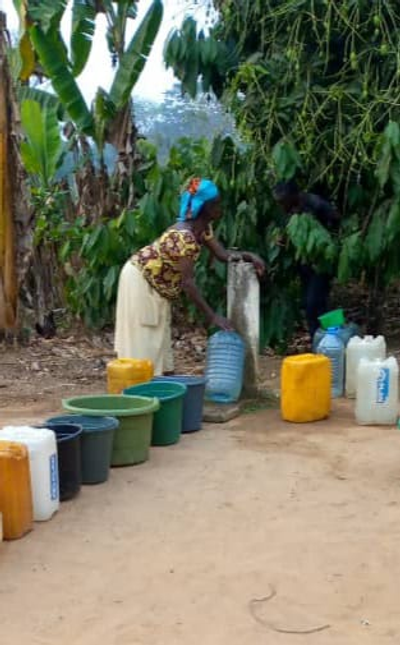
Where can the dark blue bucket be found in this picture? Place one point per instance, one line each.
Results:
(96, 444)
(193, 401)
(68, 437)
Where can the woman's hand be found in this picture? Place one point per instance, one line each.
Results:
(221, 323)
(256, 261)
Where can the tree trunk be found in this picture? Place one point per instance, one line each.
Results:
(123, 135)
(15, 235)
(8, 275)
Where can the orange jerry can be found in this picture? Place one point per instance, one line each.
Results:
(124, 372)
(15, 490)
(305, 388)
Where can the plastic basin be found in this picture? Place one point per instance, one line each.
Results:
(96, 444)
(167, 422)
(135, 415)
(333, 318)
(193, 401)
(68, 437)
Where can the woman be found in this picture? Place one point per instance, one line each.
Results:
(157, 274)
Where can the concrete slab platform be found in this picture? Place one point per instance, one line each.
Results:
(221, 412)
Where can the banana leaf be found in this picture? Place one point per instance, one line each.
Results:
(83, 28)
(28, 58)
(45, 99)
(42, 149)
(104, 112)
(46, 13)
(134, 58)
(49, 49)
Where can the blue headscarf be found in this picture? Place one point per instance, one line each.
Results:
(195, 196)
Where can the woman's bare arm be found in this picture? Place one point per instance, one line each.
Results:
(220, 252)
(190, 288)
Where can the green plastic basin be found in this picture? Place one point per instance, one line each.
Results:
(332, 319)
(167, 421)
(135, 415)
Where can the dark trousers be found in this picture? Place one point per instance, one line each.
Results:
(316, 290)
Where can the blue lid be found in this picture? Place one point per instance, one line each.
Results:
(163, 390)
(64, 431)
(186, 379)
(89, 424)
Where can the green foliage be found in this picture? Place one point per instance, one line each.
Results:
(192, 55)
(43, 98)
(104, 111)
(286, 160)
(47, 13)
(314, 89)
(41, 38)
(42, 149)
(52, 54)
(104, 248)
(93, 254)
(51, 226)
(83, 28)
(312, 242)
(134, 58)
(388, 157)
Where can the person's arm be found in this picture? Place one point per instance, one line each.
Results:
(326, 213)
(190, 288)
(330, 215)
(220, 252)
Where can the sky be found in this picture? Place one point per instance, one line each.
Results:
(155, 80)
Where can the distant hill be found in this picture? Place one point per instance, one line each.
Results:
(178, 116)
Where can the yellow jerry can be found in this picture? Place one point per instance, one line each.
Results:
(125, 372)
(305, 388)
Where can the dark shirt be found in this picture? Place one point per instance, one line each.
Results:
(323, 211)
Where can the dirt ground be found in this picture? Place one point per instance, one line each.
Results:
(41, 374)
(183, 549)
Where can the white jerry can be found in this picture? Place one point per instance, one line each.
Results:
(377, 399)
(358, 348)
(43, 464)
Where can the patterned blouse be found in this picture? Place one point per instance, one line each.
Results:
(159, 262)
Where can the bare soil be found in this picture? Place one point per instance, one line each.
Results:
(256, 531)
(38, 376)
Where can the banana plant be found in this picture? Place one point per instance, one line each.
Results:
(133, 59)
(15, 212)
(51, 52)
(49, 13)
(41, 36)
(83, 29)
(43, 147)
(109, 119)
(8, 275)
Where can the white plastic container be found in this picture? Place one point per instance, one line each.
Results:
(368, 347)
(43, 464)
(377, 400)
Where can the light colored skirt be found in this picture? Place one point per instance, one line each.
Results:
(143, 321)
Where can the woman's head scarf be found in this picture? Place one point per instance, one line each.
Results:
(198, 192)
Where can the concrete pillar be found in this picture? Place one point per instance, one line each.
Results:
(244, 312)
